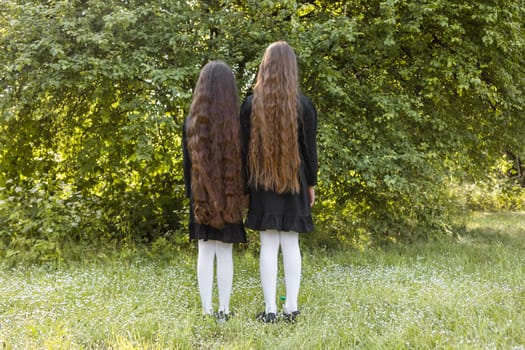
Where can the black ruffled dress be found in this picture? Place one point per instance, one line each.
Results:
(285, 212)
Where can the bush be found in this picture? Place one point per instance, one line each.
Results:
(47, 219)
(38, 217)
(499, 190)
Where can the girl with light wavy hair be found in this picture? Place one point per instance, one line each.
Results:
(279, 127)
(214, 180)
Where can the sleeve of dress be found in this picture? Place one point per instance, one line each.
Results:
(309, 144)
(246, 110)
(186, 162)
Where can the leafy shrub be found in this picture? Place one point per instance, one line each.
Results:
(42, 220)
(407, 94)
(38, 217)
(498, 190)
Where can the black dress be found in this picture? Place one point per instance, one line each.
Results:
(285, 212)
(230, 233)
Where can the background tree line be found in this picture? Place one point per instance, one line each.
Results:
(413, 97)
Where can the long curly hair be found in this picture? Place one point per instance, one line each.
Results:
(214, 146)
(273, 153)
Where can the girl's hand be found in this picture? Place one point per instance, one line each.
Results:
(311, 195)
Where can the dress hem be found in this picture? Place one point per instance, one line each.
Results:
(232, 233)
(302, 224)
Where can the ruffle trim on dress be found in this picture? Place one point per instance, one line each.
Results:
(232, 233)
(280, 222)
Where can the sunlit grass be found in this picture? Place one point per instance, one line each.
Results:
(462, 294)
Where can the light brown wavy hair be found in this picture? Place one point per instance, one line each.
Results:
(214, 146)
(273, 154)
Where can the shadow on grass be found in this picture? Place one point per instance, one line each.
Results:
(507, 229)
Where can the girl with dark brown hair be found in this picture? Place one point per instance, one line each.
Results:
(214, 180)
(279, 127)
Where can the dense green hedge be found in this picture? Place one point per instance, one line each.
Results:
(411, 96)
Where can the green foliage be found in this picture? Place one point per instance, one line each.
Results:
(97, 103)
(409, 95)
(39, 219)
(498, 192)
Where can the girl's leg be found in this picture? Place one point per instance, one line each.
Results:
(268, 268)
(205, 262)
(224, 274)
(292, 269)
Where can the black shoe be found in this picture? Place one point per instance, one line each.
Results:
(222, 317)
(266, 317)
(291, 318)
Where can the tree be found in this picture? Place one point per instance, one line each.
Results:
(409, 94)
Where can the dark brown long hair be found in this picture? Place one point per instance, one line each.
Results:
(273, 154)
(213, 138)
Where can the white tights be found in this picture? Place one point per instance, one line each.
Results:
(208, 250)
(268, 261)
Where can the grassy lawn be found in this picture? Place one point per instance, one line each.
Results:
(467, 293)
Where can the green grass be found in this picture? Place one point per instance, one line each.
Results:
(467, 293)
